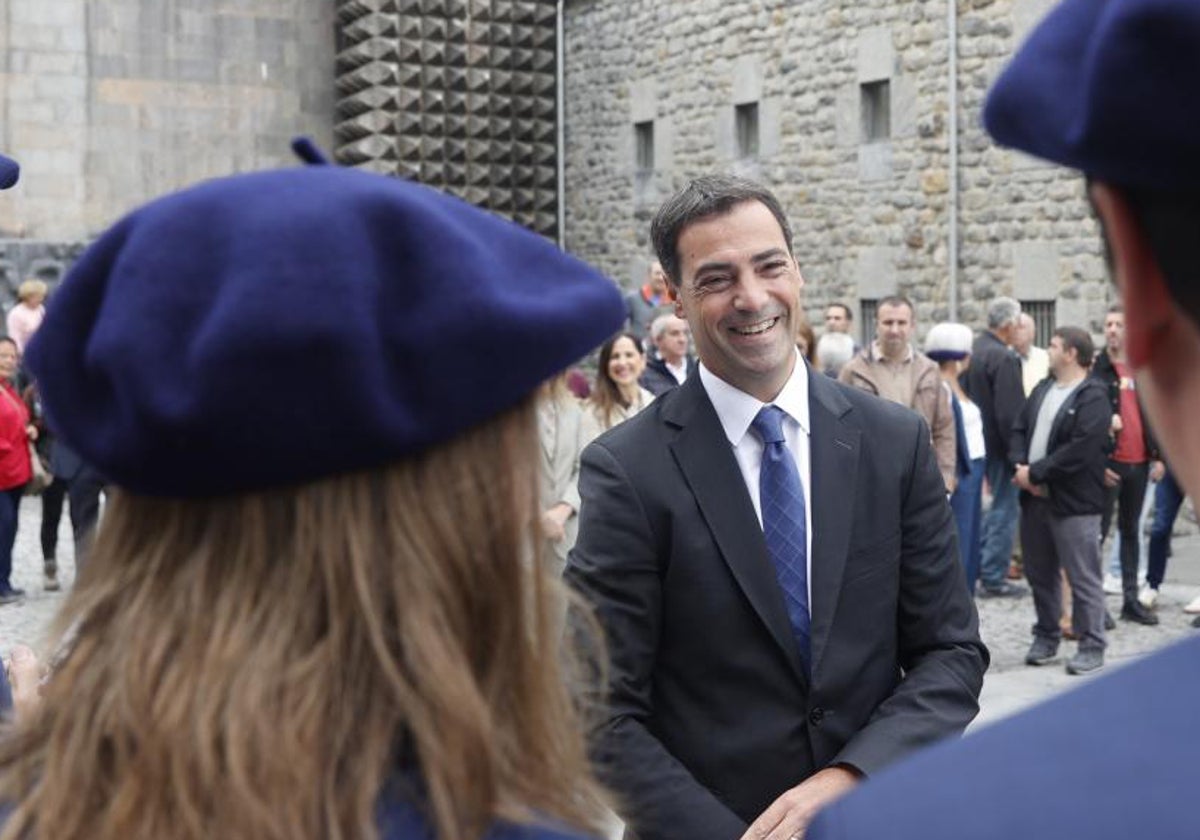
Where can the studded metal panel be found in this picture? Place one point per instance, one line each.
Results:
(457, 94)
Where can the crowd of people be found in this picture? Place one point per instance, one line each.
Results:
(327, 598)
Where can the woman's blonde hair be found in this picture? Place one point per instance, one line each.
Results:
(266, 665)
(31, 288)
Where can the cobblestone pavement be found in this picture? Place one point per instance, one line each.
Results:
(29, 620)
(1005, 623)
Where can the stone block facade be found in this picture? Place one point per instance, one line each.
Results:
(107, 105)
(457, 94)
(842, 107)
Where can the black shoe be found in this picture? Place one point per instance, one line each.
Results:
(1196, 621)
(1002, 590)
(1109, 624)
(1133, 611)
(1085, 662)
(1042, 651)
(11, 595)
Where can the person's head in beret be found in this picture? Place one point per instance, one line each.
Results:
(211, 335)
(948, 342)
(10, 172)
(317, 602)
(1108, 87)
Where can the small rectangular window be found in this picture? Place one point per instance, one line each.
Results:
(876, 111)
(643, 137)
(867, 308)
(1043, 314)
(746, 119)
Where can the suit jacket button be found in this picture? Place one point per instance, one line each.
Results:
(816, 716)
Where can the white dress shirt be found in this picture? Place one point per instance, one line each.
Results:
(679, 371)
(737, 409)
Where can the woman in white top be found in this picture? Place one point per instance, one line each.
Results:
(950, 346)
(617, 395)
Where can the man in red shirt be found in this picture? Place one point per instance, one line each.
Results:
(1133, 462)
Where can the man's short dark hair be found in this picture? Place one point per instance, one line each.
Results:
(704, 198)
(1116, 309)
(1077, 339)
(843, 307)
(893, 301)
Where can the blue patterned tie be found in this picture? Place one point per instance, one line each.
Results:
(781, 495)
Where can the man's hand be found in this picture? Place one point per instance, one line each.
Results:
(1157, 470)
(1117, 425)
(1021, 479)
(554, 520)
(790, 814)
(1111, 479)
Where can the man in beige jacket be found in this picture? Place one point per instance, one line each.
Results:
(891, 368)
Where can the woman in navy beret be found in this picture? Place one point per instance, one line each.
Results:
(15, 465)
(316, 606)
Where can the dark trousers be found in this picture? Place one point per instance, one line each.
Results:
(1168, 498)
(83, 494)
(52, 506)
(10, 503)
(1056, 544)
(1128, 496)
(967, 505)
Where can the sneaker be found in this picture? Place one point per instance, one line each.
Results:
(1133, 611)
(1002, 590)
(11, 595)
(1085, 662)
(1043, 651)
(1196, 621)
(1109, 622)
(1148, 597)
(1112, 585)
(50, 582)
(1193, 607)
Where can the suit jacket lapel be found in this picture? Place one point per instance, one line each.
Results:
(834, 448)
(711, 471)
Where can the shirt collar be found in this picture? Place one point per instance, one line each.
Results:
(736, 409)
(877, 353)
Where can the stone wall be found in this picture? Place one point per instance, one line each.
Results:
(107, 104)
(457, 94)
(870, 217)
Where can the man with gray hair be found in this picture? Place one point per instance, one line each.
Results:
(834, 349)
(994, 383)
(669, 334)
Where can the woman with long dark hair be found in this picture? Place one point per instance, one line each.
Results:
(618, 395)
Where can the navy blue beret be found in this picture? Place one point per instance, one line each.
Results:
(274, 328)
(10, 171)
(1108, 87)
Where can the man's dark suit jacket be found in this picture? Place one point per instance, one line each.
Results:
(658, 380)
(711, 716)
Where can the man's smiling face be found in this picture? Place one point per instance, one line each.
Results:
(740, 293)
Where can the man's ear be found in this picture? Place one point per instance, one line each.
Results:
(1149, 308)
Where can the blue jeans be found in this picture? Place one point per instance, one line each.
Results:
(967, 504)
(10, 502)
(1168, 498)
(999, 524)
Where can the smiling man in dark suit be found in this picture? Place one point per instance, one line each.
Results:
(771, 555)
